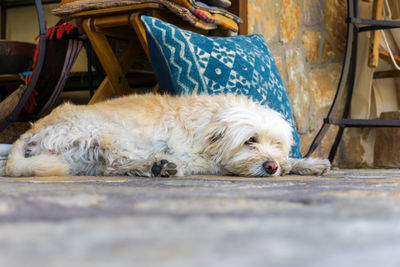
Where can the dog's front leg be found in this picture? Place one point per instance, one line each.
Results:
(306, 166)
(141, 163)
(165, 165)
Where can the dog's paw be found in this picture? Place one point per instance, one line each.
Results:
(284, 168)
(164, 168)
(321, 166)
(309, 166)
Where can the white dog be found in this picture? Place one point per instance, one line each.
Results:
(155, 135)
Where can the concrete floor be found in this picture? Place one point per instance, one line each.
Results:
(347, 218)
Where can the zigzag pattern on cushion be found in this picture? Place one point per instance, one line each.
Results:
(180, 57)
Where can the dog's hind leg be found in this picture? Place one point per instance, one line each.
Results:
(307, 166)
(40, 165)
(122, 162)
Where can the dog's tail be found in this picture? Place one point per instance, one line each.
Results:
(41, 165)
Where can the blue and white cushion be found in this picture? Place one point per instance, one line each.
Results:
(185, 62)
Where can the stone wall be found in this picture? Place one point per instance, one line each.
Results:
(307, 38)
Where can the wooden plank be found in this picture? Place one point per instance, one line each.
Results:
(107, 11)
(141, 34)
(10, 78)
(103, 92)
(140, 31)
(111, 21)
(386, 56)
(243, 14)
(375, 35)
(386, 74)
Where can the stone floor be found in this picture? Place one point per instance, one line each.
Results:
(347, 218)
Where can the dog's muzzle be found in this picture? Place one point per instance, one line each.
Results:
(270, 166)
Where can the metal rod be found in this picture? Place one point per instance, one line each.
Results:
(366, 123)
(3, 19)
(334, 148)
(342, 81)
(353, 11)
(39, 64)
(318, 138)
(374, 22)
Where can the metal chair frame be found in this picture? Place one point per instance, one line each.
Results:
(339, 114)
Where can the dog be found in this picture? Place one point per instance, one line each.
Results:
(160, 136)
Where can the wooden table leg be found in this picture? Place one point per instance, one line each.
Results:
(141, 34)
(105, 91)
(375, 38)
(116, 76)
(137, 25)
(115, 83)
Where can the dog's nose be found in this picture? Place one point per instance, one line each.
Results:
(270, 166)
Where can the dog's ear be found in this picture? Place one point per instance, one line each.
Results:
(214, 131)
(216, 135)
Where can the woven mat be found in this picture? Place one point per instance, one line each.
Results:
(8, 104)
(70, 8)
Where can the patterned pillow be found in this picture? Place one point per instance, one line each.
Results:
(188, 62)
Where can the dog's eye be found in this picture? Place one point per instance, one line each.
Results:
(251, 140)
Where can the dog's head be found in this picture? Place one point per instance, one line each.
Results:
(248, 139)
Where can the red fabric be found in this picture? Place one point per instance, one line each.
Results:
(54, 60)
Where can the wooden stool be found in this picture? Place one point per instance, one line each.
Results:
(122, 23)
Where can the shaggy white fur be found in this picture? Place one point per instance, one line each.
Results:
(154, 135)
